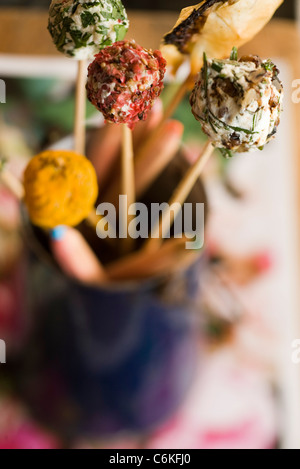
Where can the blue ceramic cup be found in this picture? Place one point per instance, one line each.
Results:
(105, 360)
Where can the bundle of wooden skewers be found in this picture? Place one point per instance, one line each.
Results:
(123, 80)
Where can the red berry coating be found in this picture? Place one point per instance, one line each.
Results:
(124, 80)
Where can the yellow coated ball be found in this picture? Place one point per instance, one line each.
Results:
(60, 188)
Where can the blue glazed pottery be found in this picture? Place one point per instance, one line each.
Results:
(112, 360)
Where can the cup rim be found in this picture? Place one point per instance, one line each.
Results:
(120, 286)
(128, 285)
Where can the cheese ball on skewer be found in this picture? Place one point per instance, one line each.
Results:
(238, 102)
(80, 28)
(60, 188)
(124, 80)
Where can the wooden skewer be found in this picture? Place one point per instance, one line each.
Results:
(179, 197)
(171, 256)
(79, 123)
(164, 146)
(93, 219)
(169, 111)
(128, 183)
(142, 155)
(80, 108)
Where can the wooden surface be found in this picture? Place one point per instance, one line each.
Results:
(24, 31)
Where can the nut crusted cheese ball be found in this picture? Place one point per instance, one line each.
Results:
(238, 102)
(124, 80)
(81, 28)
(60, 188)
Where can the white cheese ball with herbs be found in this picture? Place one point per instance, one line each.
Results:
(238, 103)
(81, 28)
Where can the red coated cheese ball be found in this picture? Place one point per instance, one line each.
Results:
(124, 80)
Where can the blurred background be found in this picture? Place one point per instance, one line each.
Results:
(287, 10)
(245, 386)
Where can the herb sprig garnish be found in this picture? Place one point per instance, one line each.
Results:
(256, 118)
(205, 72)
(268, 65)
(234, 54)
(231, 127)
(218, 67)
(210, 115)
(226, 153)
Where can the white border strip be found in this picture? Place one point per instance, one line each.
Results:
(37, 67)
